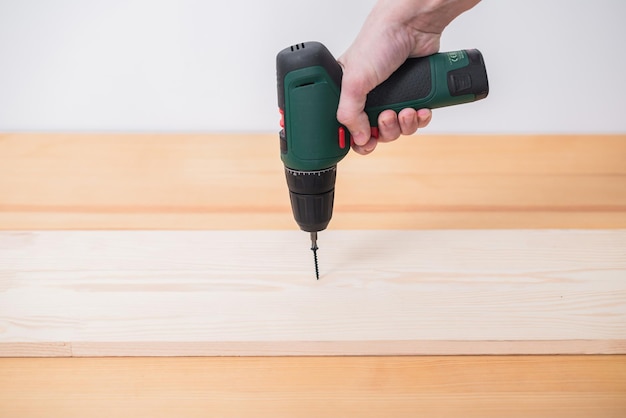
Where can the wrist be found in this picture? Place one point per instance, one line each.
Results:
(426, 16)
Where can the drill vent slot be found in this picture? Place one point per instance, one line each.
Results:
(297, 47)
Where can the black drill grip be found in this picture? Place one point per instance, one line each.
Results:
(442, 79)
(412, 81)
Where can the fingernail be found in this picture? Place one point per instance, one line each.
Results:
(423, 113)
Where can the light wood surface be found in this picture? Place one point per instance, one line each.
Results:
(127, 181)
(496, 386)
(254, 292)
(132, 181)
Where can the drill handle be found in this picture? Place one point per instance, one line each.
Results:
(442, 79)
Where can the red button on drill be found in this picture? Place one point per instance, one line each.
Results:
(375, 132)
(342, 137)
(282, 117)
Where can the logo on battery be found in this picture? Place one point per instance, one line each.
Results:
(455, 56)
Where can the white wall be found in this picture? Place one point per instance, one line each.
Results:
(185, 65)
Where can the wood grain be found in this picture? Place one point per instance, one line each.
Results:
(467, 386)
(254, 293)
(187, 181)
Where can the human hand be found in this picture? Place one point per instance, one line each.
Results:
(393, 31)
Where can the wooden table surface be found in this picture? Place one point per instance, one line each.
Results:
(114, 181)
(59, 181)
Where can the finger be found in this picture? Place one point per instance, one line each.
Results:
(350, 111)
(367, 148)
(424, 117)
(388, 126)
(357, 123)
(408, 120)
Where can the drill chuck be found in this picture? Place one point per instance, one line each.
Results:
(312, 194)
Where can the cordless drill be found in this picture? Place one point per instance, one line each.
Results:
(312, 141)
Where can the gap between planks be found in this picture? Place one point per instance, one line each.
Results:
(309, 348)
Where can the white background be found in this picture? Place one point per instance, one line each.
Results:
(555, 66)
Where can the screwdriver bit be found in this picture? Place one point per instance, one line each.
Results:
(314, 249)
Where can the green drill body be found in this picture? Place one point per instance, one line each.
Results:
(312, 141)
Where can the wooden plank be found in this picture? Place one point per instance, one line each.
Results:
(467, 386)
(186, 181)
(381, 292)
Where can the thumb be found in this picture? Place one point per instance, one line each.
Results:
(351, 112)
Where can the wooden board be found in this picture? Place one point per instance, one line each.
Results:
(253, 292)
(176, 181)
(308, 387)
